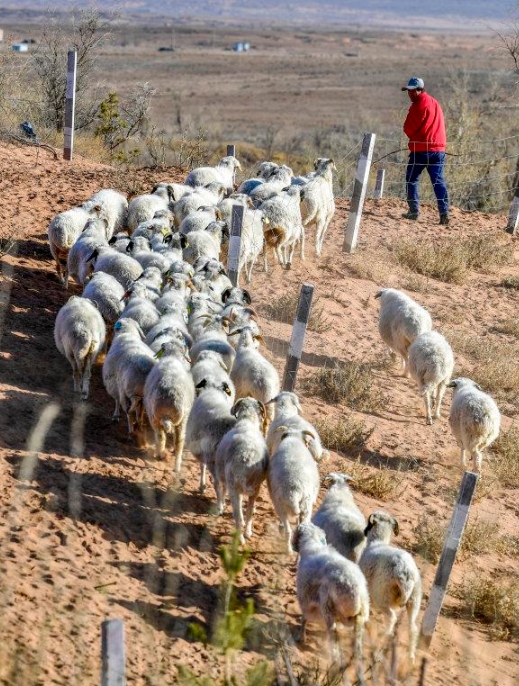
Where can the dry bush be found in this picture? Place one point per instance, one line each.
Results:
(350, 383)
(509, 327)
(283, 309)
(494, 601)
(450, 260)
(510, 282)
(380, 483)
(506, 461)
(370, 266)
(347, 435)
(479, 537)
(429, 538)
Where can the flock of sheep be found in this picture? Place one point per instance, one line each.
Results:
(183, 358)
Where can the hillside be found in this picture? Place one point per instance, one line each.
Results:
(93, 528)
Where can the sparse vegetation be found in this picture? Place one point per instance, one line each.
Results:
(350, 383)
(346, 435)
(509, 327)
(505, 464)
(451, 260)
(283, 309)
(429, 538)
(510, 282)
(493, 600)
(377, 482)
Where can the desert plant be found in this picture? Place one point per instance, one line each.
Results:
(508, 326)
(510, 282)
(429, 538)
(283, 309)
(505, 464)
(346, 435)
(350, 383)
(377, 482)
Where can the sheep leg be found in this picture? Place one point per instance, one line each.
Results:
(333, 637)
(427, 401)
(440, 392)
(160, 441)
(392, 621)
(413, 609)
(463, 457)
(203, 475)
(303, 243)
(179, 447)
(117, 411)
(302, 631)
(249, 513)
(357, 652)
(220, 495)
(237, 510)
(477, 458)
(288, 536)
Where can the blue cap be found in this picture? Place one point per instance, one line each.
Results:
(414, 83)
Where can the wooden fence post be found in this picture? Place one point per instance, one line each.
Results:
(113, 653)
(297, 340)
(448, 556)
(379, 184)
(233, 256)
(70, 104)
(360, 187)
(513, 216)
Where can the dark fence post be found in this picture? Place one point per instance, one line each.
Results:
(379, 184)
(297, 340)
(70, 103)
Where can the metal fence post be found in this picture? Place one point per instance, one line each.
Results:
(513, 217)
(70, 104)
(113, 653)
(233, 256)
(360, 187)
(297, 340)
(379, 184)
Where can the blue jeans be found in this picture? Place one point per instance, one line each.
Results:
(433, 162)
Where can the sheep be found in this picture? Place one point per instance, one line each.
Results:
(122, 267)
(264, 171)
(211, 274)
(474, 419)
(115, 209)
(293, 479)
(430, 364)
(209, 420)
(223, 173)
(330, 589)
(340, 518)
(199, 220)
(65, 229)
(252, 241)
(278, 179)
(203, 196)
(240, 317)
(169, 394)
(400, 321)
(161, 222)
(78, 265)
(241, 462)
(285, 224)
(205, 243)
(252, 374)
(210, 364)
(287, 412)
(126, 333)
(108, 295)
(140, 308)
(170, 321)
(119, 242)
(151, 277)
(132, 368)
(225, 206)
(79, 334)
(143, 207)
(318, 202)
(214, 338)
(392, 575)
(140, 249)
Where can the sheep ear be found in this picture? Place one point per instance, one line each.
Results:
(452, 384)
(296, 536)
(201, 384)
(93, 256)
(226, 388)
(155, 187)
(247, 296)
(302, 194)
(183, 241)
(476, 385)
(225, 295)
(260, 338)
(129, 247)
(171, 192)
(222, 271)
(308, 437)
(112, 240)
(160, 352)
(281, 428)
(378, 294)
(316, 164)
(395, 526)
(236, 405)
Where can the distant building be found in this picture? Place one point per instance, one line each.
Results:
(1, 35)
(241, 47)
(20, 47)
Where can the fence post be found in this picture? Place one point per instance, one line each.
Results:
(448, 556)
(379, 184)
(360, 187)
(231, 151)
(233, 256)
(513, 216)
(70, 104)
(297, 340)
(113, 657)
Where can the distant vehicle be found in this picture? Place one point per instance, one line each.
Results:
(20, 47)
(241, 47)
(165, 48)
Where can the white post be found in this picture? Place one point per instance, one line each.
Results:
(297, 340)
(513, 217)
(379, 184)
(70, 103)
(448, 556)
(233, 256)
(113, 653)
(351, 234)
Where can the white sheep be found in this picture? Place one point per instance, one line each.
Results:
(330, 590)
(241, 462)
(287, 412)
(285, 227)
(169, 394)
(209, 420)
(108, 294)
(340, 518)
(143, 207)
(252, 241)
(122, 267)
(251, 373)
(223, 173)
(133, 365)
(278, 179)
(293, 480)
(79, 266)
(318, 202)
(474, 419)
(140, 308)
(204, 244)
(393, 577)
(400, 321)
(430, 364)
(65, 229)
(79, 334)
(115, 209)
(213, 337)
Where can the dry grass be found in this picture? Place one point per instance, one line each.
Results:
(347, 435)
(370, 266)
(283, 309)
(506, 461)
(380, 483)
(510, 282)
(451, 260)
(480, 537)
(494, 601)
(509, 327)
(351, 383)
(429, 537)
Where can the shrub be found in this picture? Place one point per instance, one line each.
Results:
(506, 461)
(350, 383)
(283, 309)
(510, 282)
(430, 535)
(347, 435)
(380, 483)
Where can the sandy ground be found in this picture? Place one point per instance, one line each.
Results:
(93, 528)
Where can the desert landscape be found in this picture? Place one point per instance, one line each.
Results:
(94, 527)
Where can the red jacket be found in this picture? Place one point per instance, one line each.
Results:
(425, 126)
